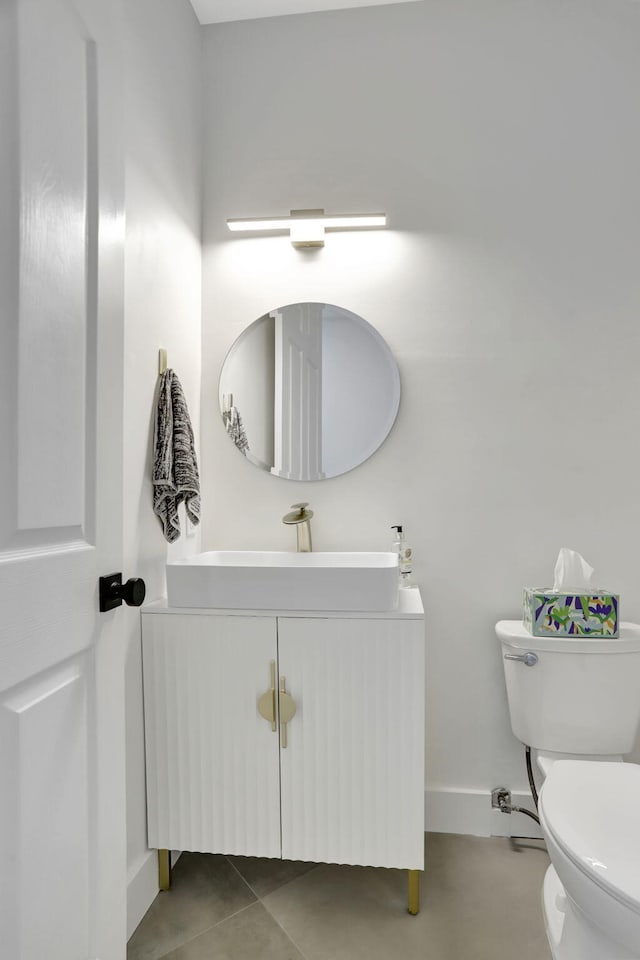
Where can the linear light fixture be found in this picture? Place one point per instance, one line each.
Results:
(306, 227)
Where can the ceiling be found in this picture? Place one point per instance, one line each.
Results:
(219, 11)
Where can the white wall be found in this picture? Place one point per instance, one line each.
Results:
(502, 141)
(162, 309)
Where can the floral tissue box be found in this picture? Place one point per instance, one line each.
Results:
(549, 613)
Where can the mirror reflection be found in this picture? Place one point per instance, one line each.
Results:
(309, 391)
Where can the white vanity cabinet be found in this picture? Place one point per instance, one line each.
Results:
(343, 782)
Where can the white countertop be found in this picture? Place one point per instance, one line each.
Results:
(409, 608)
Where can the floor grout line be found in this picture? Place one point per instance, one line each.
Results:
(266, 908)
(218, 922)
(275, 919)
(201, 933)
(285, 931)
(244, 880)
(288, 883)
(235, 913)
(230, 916)
(281, 887)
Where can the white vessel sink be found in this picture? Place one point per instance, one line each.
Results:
(270, 580)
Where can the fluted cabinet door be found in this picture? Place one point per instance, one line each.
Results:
(212, 760)
(352, 773)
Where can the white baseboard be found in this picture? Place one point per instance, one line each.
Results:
(469, 811)
(142, 887)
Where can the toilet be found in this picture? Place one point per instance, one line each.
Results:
(576, 702)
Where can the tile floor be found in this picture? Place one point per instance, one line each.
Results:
(480, 901)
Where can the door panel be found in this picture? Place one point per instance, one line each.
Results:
(62, 827)
(353, 771)
(48, 873)
(212, 760)
(56, 320)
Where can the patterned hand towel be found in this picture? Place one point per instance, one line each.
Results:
(175, 467)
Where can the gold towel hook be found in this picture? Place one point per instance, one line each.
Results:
(162, 361)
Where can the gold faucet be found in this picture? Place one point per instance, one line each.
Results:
(301, 517)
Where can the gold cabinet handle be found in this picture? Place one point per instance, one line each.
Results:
(267, 702)
(287, 706)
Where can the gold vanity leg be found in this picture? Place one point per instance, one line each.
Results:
(414, 892)
(164, 869)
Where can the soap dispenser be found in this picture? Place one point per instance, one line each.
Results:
(402, 548)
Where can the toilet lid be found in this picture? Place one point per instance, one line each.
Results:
(592, 810)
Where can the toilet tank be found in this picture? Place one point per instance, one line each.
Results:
(581, 697)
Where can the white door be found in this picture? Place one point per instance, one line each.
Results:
(352, 773)
(298, 392)
(62, 829)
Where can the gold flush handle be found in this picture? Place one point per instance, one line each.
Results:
(287, 711)
(267, 702)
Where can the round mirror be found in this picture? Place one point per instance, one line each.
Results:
(309, 391)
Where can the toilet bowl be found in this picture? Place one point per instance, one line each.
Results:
(590, 818)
